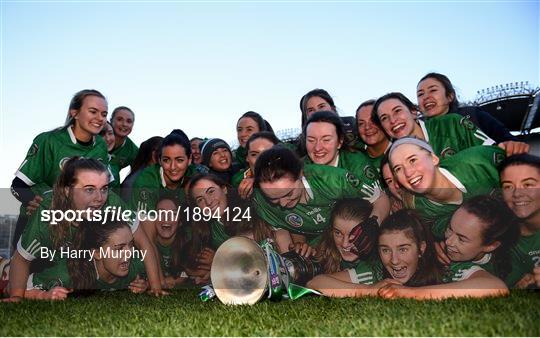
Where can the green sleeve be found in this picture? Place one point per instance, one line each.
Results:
(34, 237)
(56, 275)
(145, 191)
(37, 161)
(366, 272)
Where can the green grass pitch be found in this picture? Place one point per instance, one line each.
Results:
(183, 314)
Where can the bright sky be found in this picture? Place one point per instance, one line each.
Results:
(199, 65)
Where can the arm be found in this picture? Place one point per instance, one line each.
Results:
(149, 229)
(283, 240)
(381, 207)
(480, 284)
(18, 276)
(340, 285)
(151, 264)
(56, 293)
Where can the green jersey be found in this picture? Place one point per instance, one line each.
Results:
(449, 134)
(115, 171)
(240, 155)
(525, 256)
(136, 267)
(239, 176)
(36, 240)
(473, 171)
(48, 153)
(150, 185)
(56, 275)
(357, 163)
(366, 272)
(166, 256)
(324, 185)
(218, 233)
(124, 155)
(460, 271)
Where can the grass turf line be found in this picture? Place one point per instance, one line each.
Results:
(183, 314)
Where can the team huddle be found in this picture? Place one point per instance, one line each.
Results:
(426, 201)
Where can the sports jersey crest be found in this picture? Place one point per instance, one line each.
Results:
(466, 122)
(370, 172)
(294, 220)
(352, 179)
(498, 158)
(33, 150)
(144, 194)
(447, 152)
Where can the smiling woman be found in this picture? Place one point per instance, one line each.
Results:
(166, 178)
(124, 151)
(87, 115)
(439, 187)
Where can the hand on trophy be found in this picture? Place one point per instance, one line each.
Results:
(303, 249)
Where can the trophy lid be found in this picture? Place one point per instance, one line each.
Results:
(239, 272)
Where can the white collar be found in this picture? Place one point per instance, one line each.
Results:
(74, 139)
(307, 187)
(163, 183)
(453, 179)
(336, 161)
(424, 130)
(483, 260)
(95, 267)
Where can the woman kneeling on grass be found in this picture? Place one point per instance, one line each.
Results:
(406, 254)
(476, 250)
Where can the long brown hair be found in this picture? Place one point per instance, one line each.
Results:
(429, 270)
(328, 254)
(201, 232)
(62, 196)
(92, 236)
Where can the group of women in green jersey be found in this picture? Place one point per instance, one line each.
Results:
(409, 207)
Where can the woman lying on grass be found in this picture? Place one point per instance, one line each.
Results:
(170, 238)
(478, 240)
(110, 263)
(406, 255)
(82, 185)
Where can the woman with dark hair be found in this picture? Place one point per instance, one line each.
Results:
(256, 144)
(170, 237)
(477, 244)
(520, 181)
(394, 190)
(299, 198)
(196, 143)
(216, 156)
(168, 177)
(223, 215)
(375, 140)
(436, 96)
(248, 124)
(406, 256)
(448, 134)
(324, 139)
(87, 115)
(146, 156)
(82, 187)
(316, 100)
(124, 151)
